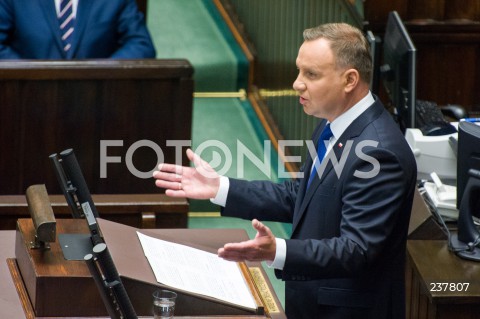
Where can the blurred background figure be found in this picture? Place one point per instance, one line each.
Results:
(73, 29)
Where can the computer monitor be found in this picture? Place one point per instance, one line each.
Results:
(399, 70)
(468, 156)
(468, 191)
(375, 44)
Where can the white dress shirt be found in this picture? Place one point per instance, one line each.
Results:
(74, 6)
(338, 126)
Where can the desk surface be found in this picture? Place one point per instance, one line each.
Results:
(445, 277)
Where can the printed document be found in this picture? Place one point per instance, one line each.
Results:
(196, 271)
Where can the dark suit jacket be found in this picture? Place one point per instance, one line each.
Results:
(29, 29)
(346, 255)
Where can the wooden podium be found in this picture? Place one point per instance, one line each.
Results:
(64, 288)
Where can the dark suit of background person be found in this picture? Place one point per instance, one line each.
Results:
(116, 29)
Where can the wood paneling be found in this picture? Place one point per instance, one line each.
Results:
(443, 11)
(47, 107)
(136, 210)
(447, 37)
(462, 10)
(447, 64)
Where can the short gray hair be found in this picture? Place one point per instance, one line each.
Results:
(349, 46)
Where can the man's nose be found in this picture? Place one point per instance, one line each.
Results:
(299, 86)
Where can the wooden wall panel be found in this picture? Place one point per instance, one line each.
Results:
(447, 37)
(51, 106)
(447, 71)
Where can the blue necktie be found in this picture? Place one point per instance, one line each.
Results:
(321, 150)
(66, 21)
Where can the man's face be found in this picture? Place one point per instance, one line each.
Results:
(319, 84)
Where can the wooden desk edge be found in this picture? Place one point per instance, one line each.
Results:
(155, 202)
(154, 210)
(425, 283)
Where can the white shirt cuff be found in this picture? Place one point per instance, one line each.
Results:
(221, 197)
(280, 254)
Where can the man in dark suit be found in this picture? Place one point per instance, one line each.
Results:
(346, 254)
(30, 29)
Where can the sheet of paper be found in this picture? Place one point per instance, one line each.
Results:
(197, 271)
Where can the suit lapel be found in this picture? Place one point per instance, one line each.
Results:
(299, 203)
(81, 20)
(310, 192)
(304, 194)
(48, 8)
(353, 131)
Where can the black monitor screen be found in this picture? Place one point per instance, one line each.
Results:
(399, 70)
(375, 43)
(468, 157)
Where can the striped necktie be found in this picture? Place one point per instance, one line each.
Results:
(66, 21)
(321, 150)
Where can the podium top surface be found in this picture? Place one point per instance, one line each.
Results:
(127, 252)
(129, 260)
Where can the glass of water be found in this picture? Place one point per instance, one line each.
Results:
(163, 304)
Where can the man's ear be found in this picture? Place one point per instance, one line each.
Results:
(352, 77)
